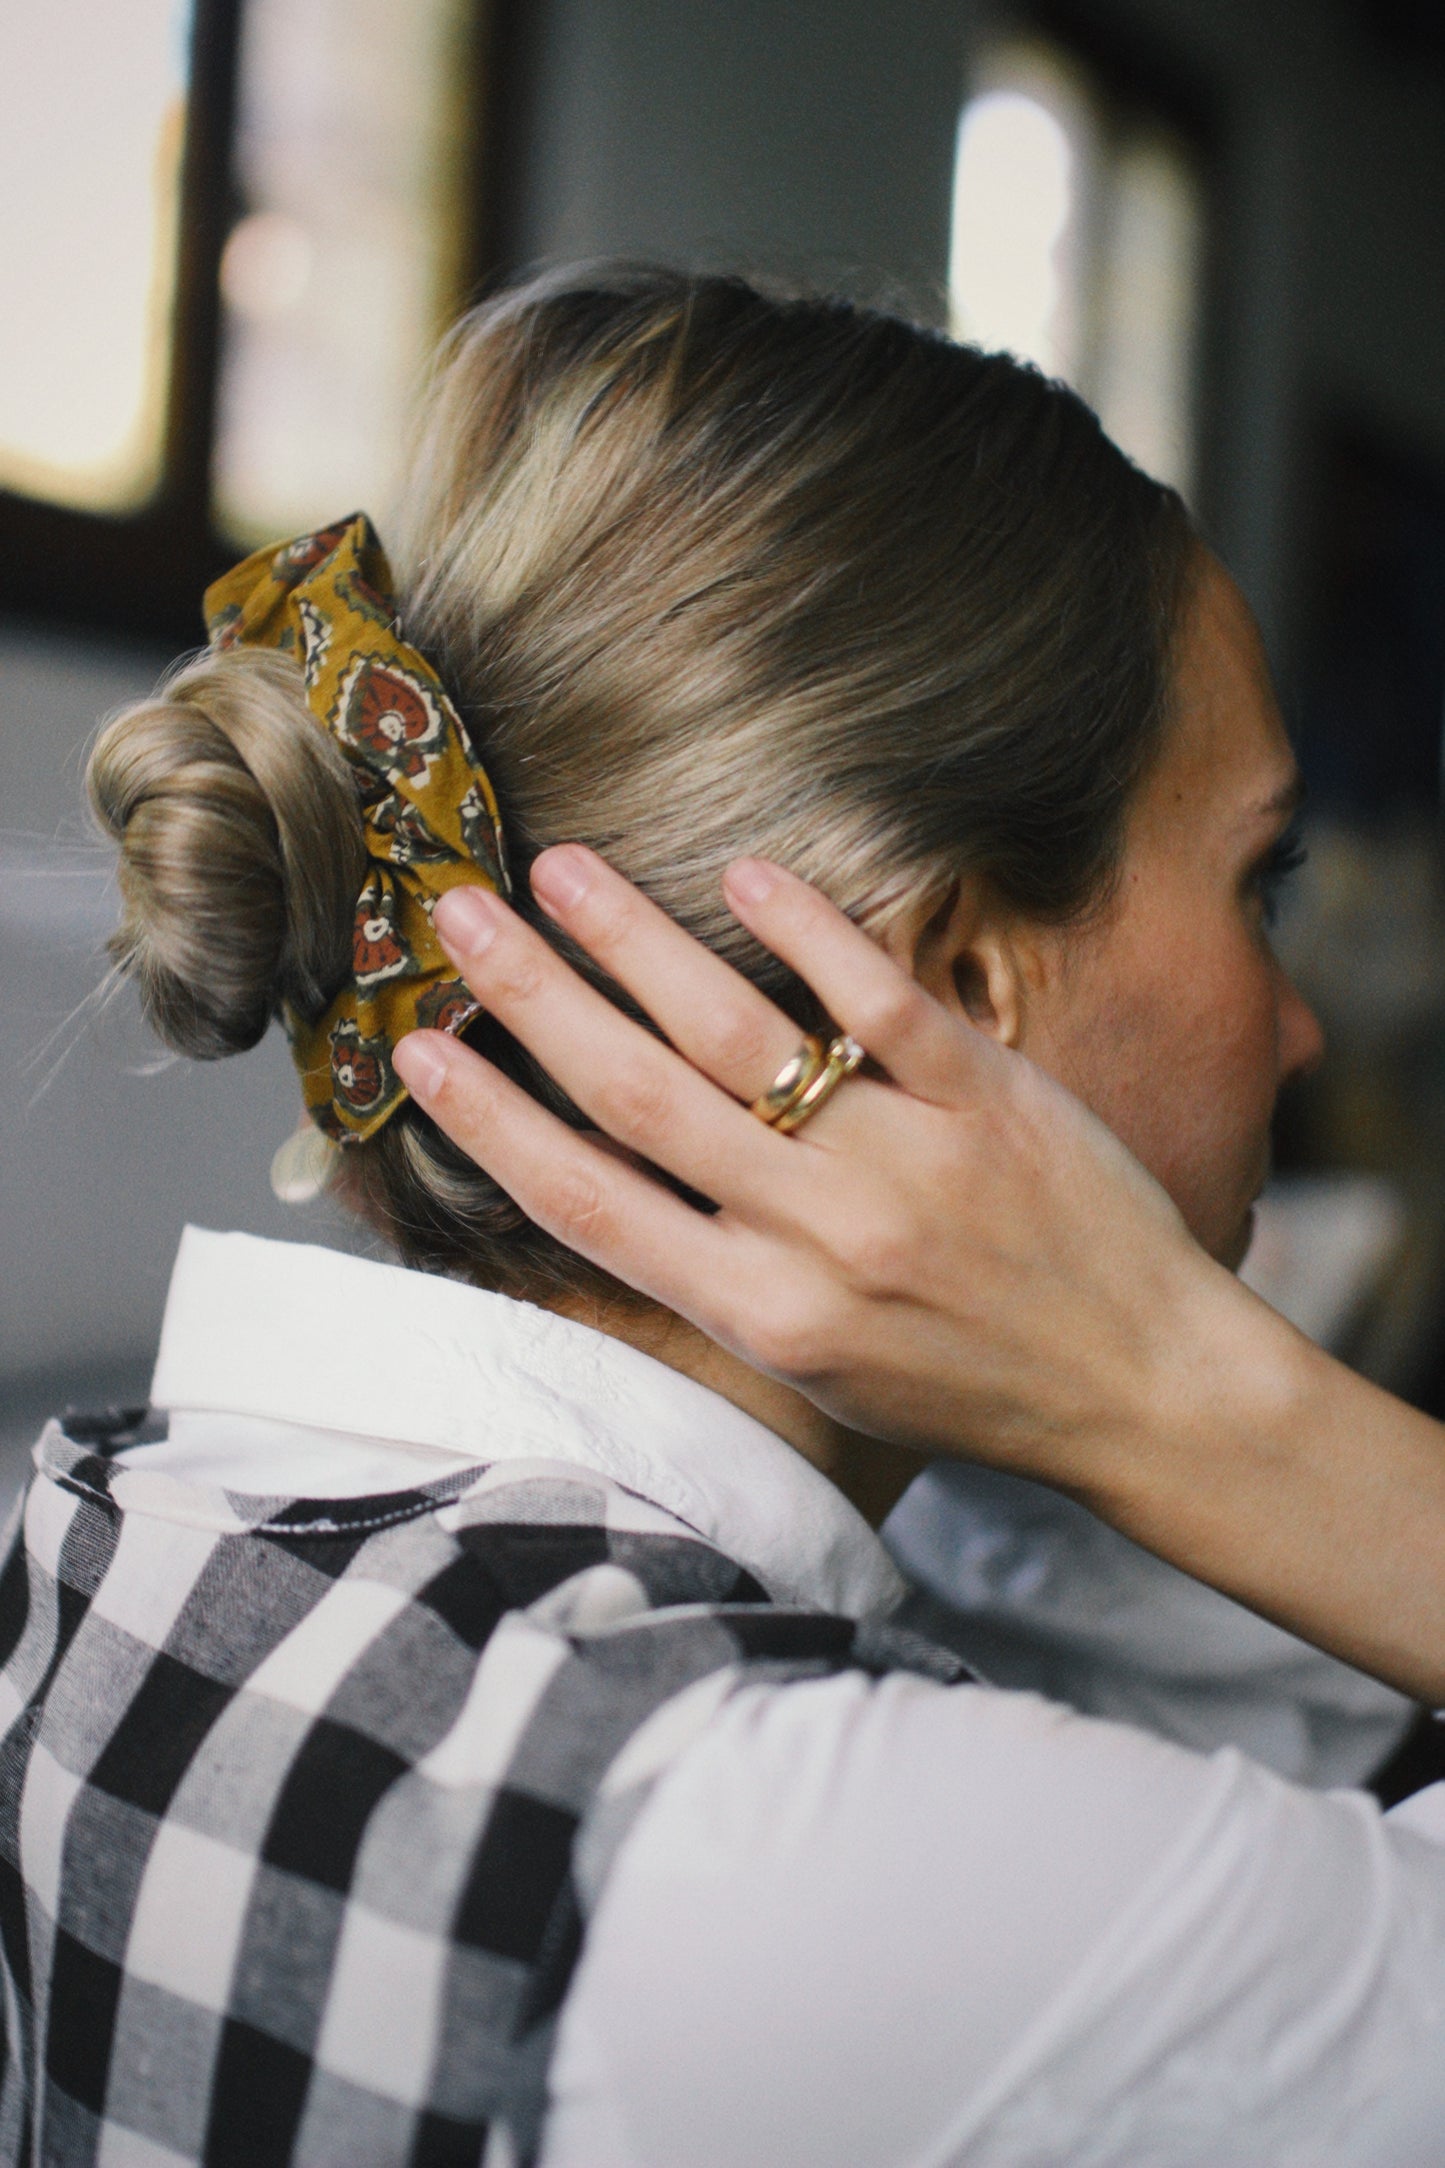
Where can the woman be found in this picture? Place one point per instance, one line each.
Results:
(455, 1728)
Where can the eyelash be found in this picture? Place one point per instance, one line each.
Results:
(1276, 869)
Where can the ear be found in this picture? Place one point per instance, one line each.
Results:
(970, 957)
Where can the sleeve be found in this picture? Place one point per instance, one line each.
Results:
(897, 1923)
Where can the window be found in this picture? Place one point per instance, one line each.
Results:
(346, 262)
(1078, 242)
(234, 230)
(90, 162)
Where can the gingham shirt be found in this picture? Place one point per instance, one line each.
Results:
(305, 1803)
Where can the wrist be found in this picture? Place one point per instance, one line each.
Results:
(1209, 1417)
(1261, 1465)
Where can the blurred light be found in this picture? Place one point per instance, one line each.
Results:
(1012, 202)
(1078, 243)
(266, 265)
(1143, 375)
(92, 123)
(352, 160)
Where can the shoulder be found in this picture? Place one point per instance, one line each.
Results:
(865, 1920)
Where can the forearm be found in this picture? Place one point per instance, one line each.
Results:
(1252, 1460)
(964, 1260)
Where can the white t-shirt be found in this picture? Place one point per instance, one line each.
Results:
(864, 1924)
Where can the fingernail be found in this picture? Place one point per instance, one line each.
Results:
(421, 1066)
(467, 920)
(750, 880)
(562, 875)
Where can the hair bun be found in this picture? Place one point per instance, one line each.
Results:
(241, 850)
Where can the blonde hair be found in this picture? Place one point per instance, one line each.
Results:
(707, 572)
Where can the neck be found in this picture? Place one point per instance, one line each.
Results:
(871, 1474)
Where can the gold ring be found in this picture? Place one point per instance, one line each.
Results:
(843, 1057)
(792, 1080)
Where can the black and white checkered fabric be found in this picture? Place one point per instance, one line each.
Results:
(304, 1805)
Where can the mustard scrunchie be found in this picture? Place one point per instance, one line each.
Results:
(429, 811)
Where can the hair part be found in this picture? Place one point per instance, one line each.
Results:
(707, 572)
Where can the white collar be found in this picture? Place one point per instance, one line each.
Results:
(295, 1334)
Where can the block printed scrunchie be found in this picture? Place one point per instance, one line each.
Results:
(428, 810)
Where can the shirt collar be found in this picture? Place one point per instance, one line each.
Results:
(297, 1334)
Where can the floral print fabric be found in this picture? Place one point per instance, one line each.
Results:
(428, 809)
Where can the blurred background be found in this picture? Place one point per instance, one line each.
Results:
(232, 230)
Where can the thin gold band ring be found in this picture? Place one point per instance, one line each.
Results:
(814, 1081)
(792, 1080)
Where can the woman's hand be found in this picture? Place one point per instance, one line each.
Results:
(955, 1254)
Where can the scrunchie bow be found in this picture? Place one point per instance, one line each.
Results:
(428, 810)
